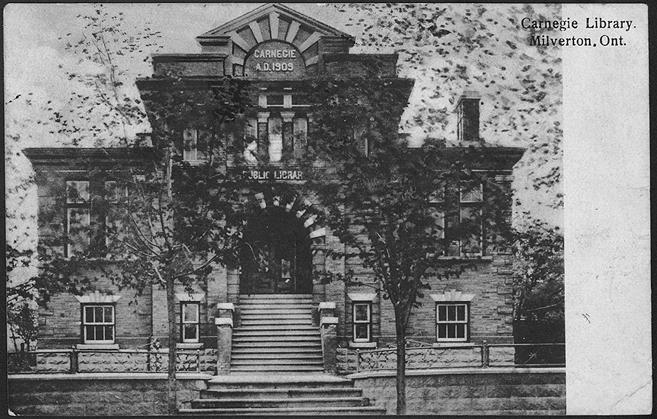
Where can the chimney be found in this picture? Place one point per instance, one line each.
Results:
(467, 111)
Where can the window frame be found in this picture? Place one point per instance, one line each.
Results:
(367, 322)
(184, 323)
(77, 205)
(84, 323)
(193, 147)
(112, 203)
(470, 204)
(465, 322)
(437, 204)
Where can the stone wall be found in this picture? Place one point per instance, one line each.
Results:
(503, 391)
(98, 394)
(490, 310)
(124, 361)
(422, 358)
(60, 322)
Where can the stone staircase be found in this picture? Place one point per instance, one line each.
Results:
(277, 367)
(281, 394)
(276, 333)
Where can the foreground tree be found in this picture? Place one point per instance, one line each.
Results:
(145, 217)
(449, 48)
(539, 284)
(394, 206)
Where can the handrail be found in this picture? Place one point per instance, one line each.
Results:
(543, 354)
(123, 360)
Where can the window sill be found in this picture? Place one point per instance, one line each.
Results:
(189, 345)
(362, 345)
(94, 346)
(468, 258)
(453, 344)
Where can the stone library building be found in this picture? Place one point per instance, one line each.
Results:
(273, 316)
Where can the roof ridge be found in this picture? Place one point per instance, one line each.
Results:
(234, 24)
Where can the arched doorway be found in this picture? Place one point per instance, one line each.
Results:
(276, 257)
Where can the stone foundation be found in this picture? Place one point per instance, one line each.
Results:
(99, 394)
(491, 391)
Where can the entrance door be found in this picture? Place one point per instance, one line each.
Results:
(276, 257)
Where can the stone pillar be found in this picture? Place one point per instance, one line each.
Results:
(328, 329)
(224, 323)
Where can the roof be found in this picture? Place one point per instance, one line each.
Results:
(82, 155)
(266, 10)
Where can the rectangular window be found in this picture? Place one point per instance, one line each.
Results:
(78, 217)
(195, 144)
(300, 134)
(77, 191)
(452, 322)
(115, 194)
(436, 210)
(98, 323)
(471, 198)
(362, 316)
(263, 136)
(471, 193)
(275, 100)
(288, 139)
(190, 145)
(190, 322)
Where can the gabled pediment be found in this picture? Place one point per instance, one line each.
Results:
(276, 22)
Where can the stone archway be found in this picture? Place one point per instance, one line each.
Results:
(280, 238)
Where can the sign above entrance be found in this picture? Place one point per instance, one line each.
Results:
(266, 174)
(274, 60)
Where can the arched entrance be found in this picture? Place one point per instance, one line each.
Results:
(276, 257)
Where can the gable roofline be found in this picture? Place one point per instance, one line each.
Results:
(266, 9)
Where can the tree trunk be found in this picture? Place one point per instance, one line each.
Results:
(401, 363)
(171, 367)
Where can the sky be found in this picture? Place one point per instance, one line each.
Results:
(34, 52)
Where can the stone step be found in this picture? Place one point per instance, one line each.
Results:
(250, 305)
(277, 381)
(276, 327)
(275, 296)
(269, 393)
(286, 368)
(276, 311)
(287, 332)
(282, 305)
(273, 344)
(267, 348)
(275, 338)
(333, 411)
(318, 362)
(276, 322)
(280, 402)
(271, 315)
(277, 355)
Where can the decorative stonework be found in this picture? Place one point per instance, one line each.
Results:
(452, 295)
(97, 298)
(361, 296)
(184, 296)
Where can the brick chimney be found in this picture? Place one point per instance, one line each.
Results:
(467, 111)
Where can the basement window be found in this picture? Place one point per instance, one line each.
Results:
(362, 324)
(190, 322)
(98, 323)
(452, 322)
